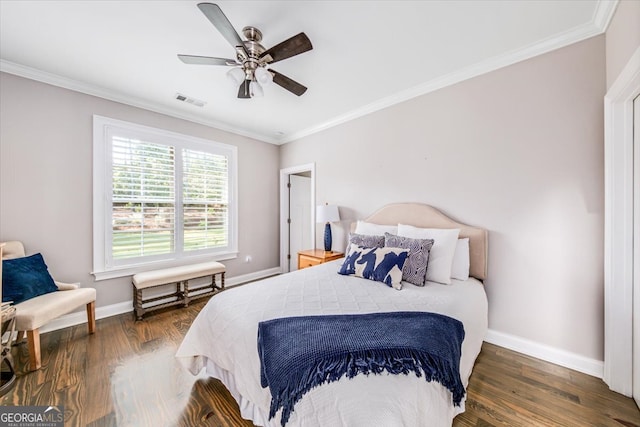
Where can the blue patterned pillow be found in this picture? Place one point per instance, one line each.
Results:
(415, 269)
(366, 241)
(379, 264)
(25, 278)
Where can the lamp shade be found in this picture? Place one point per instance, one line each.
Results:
(236, 75)
(263, 76)
(327, 213)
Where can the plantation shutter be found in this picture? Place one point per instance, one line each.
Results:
(160, 199)
(143, 198)
(205, 197)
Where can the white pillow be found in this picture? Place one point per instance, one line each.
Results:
(460, 268)
(371, 229)
(442, 251)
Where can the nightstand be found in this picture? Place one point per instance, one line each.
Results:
(315, 257)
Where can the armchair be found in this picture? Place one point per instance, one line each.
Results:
(40, 310)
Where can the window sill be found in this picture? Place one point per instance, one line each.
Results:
(130, 270)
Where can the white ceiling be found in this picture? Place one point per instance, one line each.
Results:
(366, 54)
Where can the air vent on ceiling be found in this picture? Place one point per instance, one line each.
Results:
(189, 100)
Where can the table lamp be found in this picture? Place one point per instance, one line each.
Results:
(327, 214)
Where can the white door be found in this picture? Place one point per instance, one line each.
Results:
(636, 250)
(300, 217)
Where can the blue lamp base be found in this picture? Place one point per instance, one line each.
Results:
(327, 237)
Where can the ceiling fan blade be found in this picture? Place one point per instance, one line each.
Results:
(206, 60)
(287, 83)
(291, 47)
(219, 20)
(243, 90)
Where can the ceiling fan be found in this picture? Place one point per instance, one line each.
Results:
(250, 66)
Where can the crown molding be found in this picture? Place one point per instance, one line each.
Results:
(597, 26)
(603, 14)
(111, 95)
(599, 23)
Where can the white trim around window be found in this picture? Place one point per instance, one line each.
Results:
(105, 264)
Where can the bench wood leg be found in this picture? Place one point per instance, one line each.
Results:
(138, 304)
(135, 301)
(33, 341)
(184, 292)
(91, 316)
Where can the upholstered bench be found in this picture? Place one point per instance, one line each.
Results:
(180, 276)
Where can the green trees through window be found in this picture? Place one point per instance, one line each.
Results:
(151, 215)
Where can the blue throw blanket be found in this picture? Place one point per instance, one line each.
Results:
(300, 353)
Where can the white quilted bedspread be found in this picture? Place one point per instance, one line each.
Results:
(223, 339)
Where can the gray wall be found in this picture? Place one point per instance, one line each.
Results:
(518, 151)
(46, 181)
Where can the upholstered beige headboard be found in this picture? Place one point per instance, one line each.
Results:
(425, 216)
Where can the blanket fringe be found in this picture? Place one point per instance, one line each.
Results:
(394, 361)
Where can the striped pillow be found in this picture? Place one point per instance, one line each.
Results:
(366, 240)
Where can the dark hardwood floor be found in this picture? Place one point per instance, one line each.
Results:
(126, 375)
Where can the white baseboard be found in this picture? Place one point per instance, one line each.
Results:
(238, 280)
(547, 353)
(80, 317)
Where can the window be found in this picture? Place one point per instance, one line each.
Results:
(160, 197)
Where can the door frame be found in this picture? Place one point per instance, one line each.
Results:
(635, 361)
(284, 207)
(618, 227)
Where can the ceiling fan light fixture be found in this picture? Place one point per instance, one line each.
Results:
(236, 75)
(263, 76)
(249, 68)
(256, 90)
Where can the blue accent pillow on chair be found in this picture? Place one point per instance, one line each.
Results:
(25, 278)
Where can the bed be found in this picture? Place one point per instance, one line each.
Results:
(222, 339)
